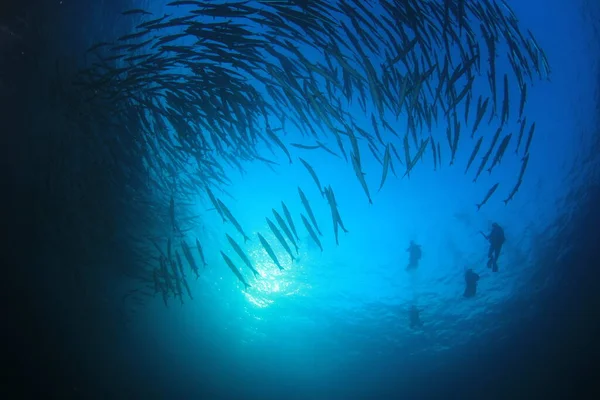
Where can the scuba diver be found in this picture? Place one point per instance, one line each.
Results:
(415, 254)
(415, 320)
(496, 239)
(471, 279)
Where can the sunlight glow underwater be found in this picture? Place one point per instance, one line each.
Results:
(351, 301)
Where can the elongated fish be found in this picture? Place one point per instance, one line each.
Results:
(513, 192)
(269, 251)
(521, 131)
(487, 196)
(280, 238)
(500, 152)
(309, 210)
(524, 166)
(505, 102)
(488, 154)
(185, 3)
(311, 231)
(331, 200)
(407, 160)
(376, 128)
(481, 109)
(374, 151)
(199, 247)
(236, 271)
(523, 100)
(214, 202)
(396, 153)
(455, 139)
(529, 137)
(361, 178)
(136, 11)
(232, 219)
(474, 153)
(467, 108)
(335, 215)
(187, 288)
(242, 255)
(417, 156)
(312, 173)
(133, 35)
(188, 255)
(172, 213)
(285, 228)
(289, 219)
(279, 143)
(327, 149)
(177, 280)
(386, 165)
(305, 146)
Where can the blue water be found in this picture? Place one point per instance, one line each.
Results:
(335, 324)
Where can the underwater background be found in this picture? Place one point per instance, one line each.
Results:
(83, 318)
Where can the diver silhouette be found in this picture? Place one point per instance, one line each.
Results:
(414, 256)
(496, 239)
(471, 279)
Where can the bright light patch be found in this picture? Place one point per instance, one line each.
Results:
(258, 302)
(272, 283)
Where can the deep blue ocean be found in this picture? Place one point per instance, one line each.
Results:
(83, 318)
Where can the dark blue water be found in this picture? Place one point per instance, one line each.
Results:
(333, 324)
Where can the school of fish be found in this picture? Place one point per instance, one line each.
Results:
(185, 95)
